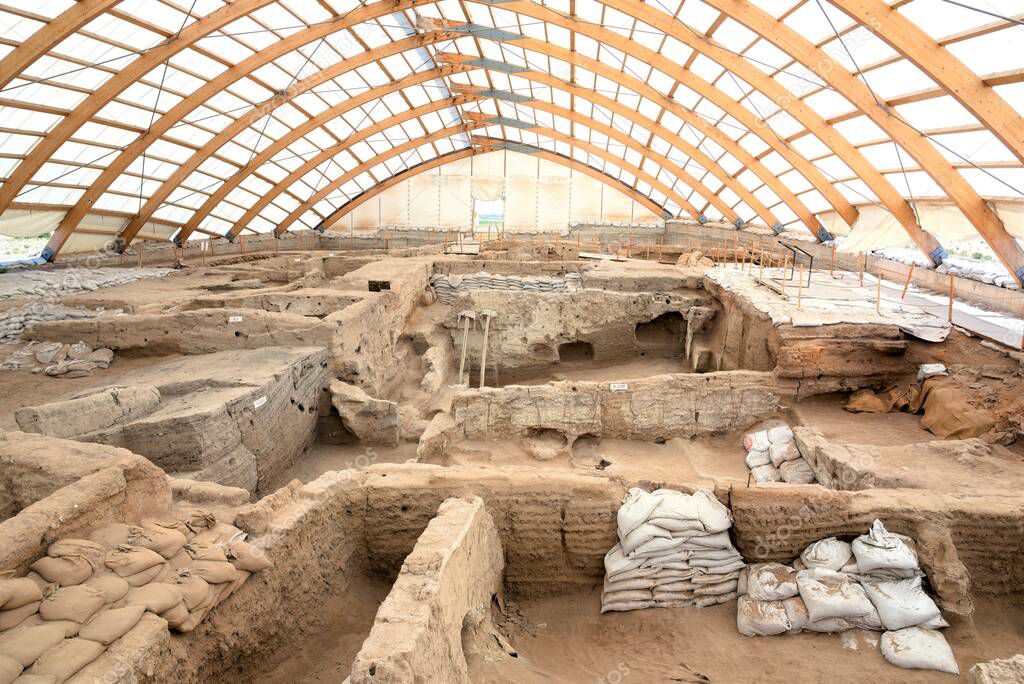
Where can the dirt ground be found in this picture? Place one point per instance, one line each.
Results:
(324, 654)
(566, 639)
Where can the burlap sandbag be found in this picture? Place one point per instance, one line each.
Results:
(203, 551)
(196, 519)
(66, 571)
(867, 401)
(195, 617)
(26, 644)
(108, 626)
(169, 523)
(15, 616)
(70, 627)
(947, 414)
(194, 589)
(143, 578)
(66, 658)
(44, 586)
(231, 587)
(17, 592)
(156, 597)
(9, 669)
(75, 548)
(245, 556)
(128, 560)
(75, 603)
(215, 572)
(176, 616)
(164, 541)
(113, 587)
(179, 561)
(219, 534)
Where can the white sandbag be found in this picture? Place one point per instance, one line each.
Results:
(783, 452)
(635, 573)
(757, 441)
(766, 473)
(676, 585)
(716, 589)
(796, 612)
(665, 596)
(636, 508)
(900, 603)
(868, 621)
(797, 472)
(921, 649)
(659, 547)
(615, 561)
(771, 582)
(760, 618)
(626, 605)
(756, 457)
(718, 540)
(881, 550)
(711, 578)
(829, 594)
(780, 434)
(640, 535)
(830, 554)
(702, 505)
(625, 585)
(705, 601)
(629, 595)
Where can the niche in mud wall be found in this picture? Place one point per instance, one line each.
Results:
(664, 333)
(575, 352)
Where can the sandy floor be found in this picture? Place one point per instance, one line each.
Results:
(826, 414)
(567, 640)
(326, 652)
(24, 388)
(321, 458)
(625, 370)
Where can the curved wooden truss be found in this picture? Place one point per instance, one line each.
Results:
(976, 94)
(483, 145)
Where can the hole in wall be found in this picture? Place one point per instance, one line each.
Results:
(663, 330)
(571, 352)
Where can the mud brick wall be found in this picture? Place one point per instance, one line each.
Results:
(445, 586)
(528, 328)
(682, 405)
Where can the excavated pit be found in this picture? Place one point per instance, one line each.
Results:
(422, 522)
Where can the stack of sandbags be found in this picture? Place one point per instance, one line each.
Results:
(85, 594)
(674, 551)
(874, 584)
(772, 456)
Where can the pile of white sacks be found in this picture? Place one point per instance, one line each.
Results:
(674, 551)
(772, 456)
(872, 584)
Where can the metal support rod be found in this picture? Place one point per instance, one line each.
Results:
(467, 316)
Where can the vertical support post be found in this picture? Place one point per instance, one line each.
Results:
(832, 265)
(661, 246)
(142, 248)
(800, 288)
(878, 293)
(906, 283)
(952, 292)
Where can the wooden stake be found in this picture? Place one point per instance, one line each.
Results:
(952, 292)
(878, 293)
(661, 246)
(906, 283)
(800, 288)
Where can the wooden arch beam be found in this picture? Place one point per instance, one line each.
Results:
(757, 79)
(684, 76)
(356, 137)
(324, 155)
(941, 66)
(152, 58)
(177, 113)
(645, 122)
(50, 35)
(483, 145)
(243, 122)
(929, 159)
